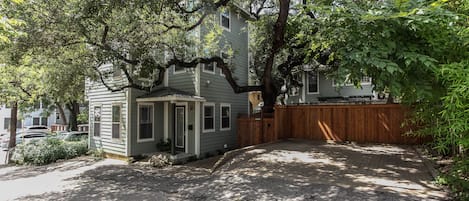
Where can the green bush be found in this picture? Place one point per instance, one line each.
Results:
(457, 178)
(48, 151)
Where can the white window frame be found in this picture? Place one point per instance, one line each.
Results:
(347, 82)
(113, 122)
(209, 71)
(152, 112)
(307, 82)
(203, 118)
(222, 14)
(221, 116)
(100, 121)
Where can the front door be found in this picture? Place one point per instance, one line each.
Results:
(179, 126)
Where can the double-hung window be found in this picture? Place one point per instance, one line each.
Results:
(97, 121)
(313, 82)
(209, 117)
(225, 116)
(145, 122)
(225, 19)
(209, 68)
(116, 121)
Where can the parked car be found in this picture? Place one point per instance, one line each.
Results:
(23, 137)
(37, 128)
(73, 135)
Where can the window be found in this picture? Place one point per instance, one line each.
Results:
(37, 105)
(44, 121)
(365, 80)
(225, 116)
(177, 69)
(225, 19)
(313, 82)
(35, 121)
(97, 121)
(6, 123)
(116, 72)
(145, 119)
(116, 121)
(209, 68)
(209, 117)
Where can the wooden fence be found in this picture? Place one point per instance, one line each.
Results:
(253, 131)
(357, 123)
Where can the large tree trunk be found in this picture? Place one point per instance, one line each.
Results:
(269, 91)
(74, 110)
(61, 114)
(13, 122)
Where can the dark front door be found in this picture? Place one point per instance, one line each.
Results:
(179, 127)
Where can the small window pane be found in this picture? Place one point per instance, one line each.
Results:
(116, 113)
(313, 82)
(225, 118)
(44, 121)
(97, 129)
(209, 111)
(36, 121)
(115, 130)
(178, 68)
(145, 124)
(225, 19)
(6, 123)
(97, 113)
(209, 67)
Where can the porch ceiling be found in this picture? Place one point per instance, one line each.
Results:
(169, 94)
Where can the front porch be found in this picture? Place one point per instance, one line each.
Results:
(172, 118)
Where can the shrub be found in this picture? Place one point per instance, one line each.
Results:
(48, 151)
(457, 178)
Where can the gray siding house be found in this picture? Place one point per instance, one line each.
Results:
(317, 88)
(195, 109)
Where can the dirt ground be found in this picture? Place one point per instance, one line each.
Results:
(290, 170)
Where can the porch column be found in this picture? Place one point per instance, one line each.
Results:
(197, 128)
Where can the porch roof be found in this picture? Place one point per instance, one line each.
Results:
(169, 94)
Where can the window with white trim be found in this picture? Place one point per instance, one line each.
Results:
(116, 121)
(44, 121)
(209, 68)
(116, 71)
(209, 117)
(225, 116)
(313, 82)
(365, 80)
(145, 122)
(225, 19)
(97, 121)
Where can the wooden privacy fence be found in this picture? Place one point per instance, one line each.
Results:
(253, 131)
(358, 123)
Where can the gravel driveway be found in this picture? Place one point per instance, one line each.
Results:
(290, 170)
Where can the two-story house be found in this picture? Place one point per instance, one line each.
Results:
(195, 109)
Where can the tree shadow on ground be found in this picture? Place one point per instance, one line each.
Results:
(19, 172)
(291, 170)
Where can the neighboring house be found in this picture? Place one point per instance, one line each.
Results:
(196, 109)
(25, 119)
(317, 88)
